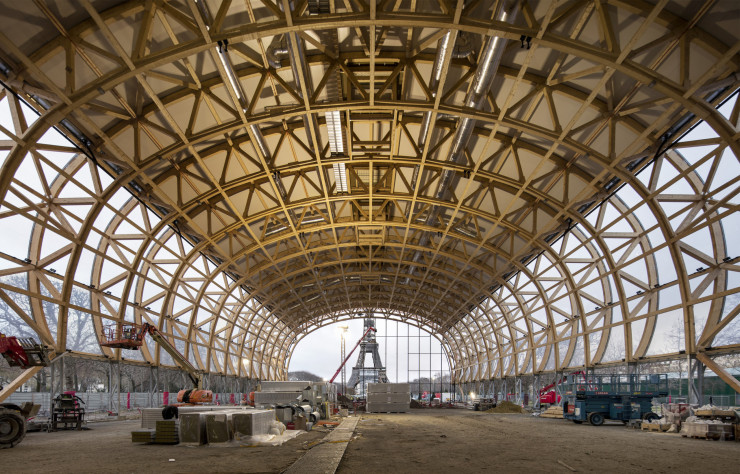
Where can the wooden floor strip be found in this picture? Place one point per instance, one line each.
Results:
(325, 457)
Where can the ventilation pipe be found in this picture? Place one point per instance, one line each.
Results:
(484, 75)
(295, 60)
(275, 49)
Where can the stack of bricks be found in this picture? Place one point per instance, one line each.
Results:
(166, 432)
(388, 398)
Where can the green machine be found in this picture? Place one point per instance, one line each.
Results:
(620, 397)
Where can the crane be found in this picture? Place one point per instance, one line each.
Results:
(131, 336)
(350, 353)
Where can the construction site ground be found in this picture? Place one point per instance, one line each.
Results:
(444, 441)
(427, 440)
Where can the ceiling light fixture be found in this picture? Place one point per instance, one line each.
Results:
(340, 177)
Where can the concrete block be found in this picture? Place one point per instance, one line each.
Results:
(217, 428)
(276, 398)
(388, 388)
(251, 423)
(284, 415)
(388, 398)
(150, 417)
(284, 386)
(193, 428)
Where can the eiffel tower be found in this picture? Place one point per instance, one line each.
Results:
(362, 374)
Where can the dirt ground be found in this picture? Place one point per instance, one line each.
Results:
(107, 447)
(426, 441)
(466, 441)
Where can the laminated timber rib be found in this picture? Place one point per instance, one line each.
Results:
(240, 173)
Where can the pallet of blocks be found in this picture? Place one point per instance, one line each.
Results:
(710, 422)
(280, 392)
(704, 430)
(388, 398)
(166, 432)
(142, 436)
(552, 412)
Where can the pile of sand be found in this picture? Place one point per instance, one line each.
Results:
(506, 407)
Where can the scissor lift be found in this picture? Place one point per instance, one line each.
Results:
(620, 397)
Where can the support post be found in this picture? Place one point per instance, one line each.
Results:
(114, 387)
(696, 380)
(57, 379)
(559, 396)
(153, 385)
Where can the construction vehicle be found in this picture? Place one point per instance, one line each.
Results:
(622, 397)
(548, 394)
(483, 403)
(130, 336)
(351, 352)
(23, 353)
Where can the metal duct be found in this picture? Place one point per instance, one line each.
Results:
(442, 46)
(490, 60)
(308, 119)
(276, 48)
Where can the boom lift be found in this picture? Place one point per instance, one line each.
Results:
(351, 352)
(131, 337)
(548, 394)
(23, 353)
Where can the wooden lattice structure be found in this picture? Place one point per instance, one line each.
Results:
(239, 176)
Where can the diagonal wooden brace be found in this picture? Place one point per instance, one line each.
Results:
(20, 380)
(716, 368)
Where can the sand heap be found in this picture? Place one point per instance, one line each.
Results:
(506, 407)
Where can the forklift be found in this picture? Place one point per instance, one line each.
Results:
(622, 397)
(23, 353)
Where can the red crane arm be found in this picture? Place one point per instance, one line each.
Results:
(350, 354)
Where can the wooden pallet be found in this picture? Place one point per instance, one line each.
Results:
(711, 436)
(715, 412)
(553, 412)
(655, 427)
(708, 431)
